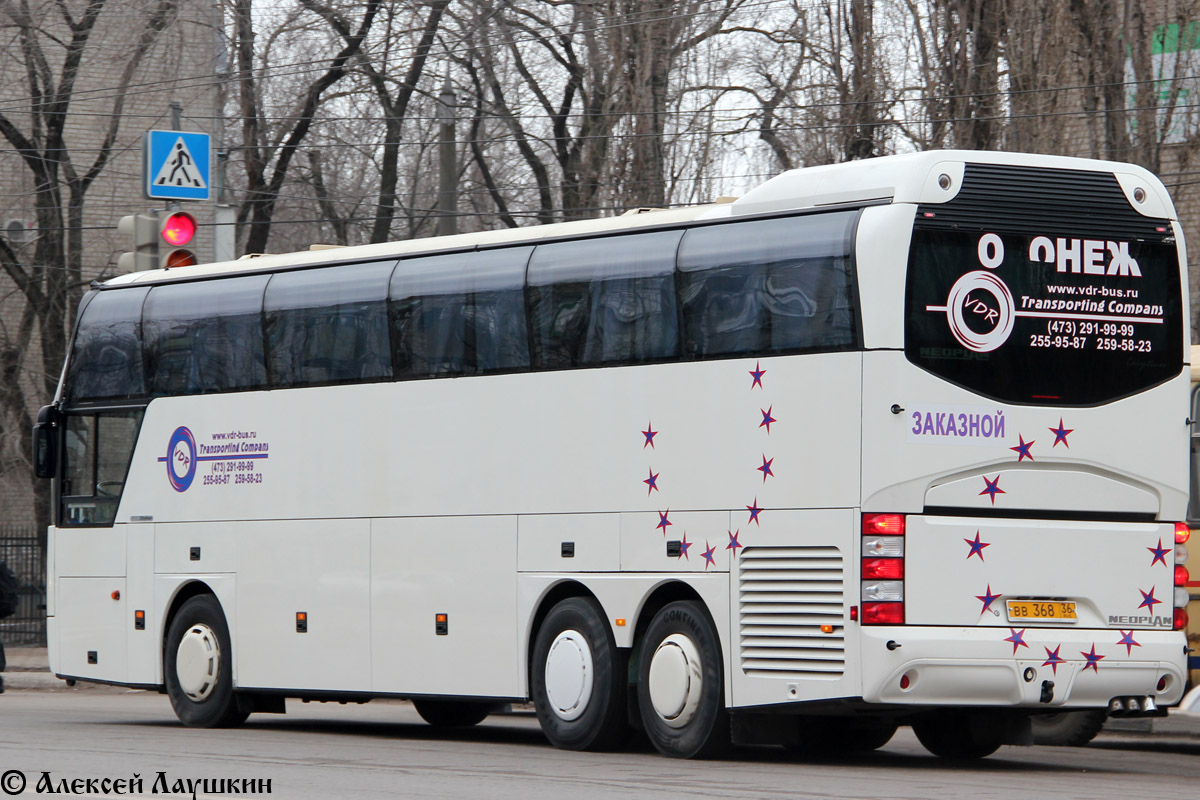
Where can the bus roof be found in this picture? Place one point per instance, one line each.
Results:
(908, 178)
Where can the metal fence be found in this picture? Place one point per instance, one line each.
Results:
(20, 550)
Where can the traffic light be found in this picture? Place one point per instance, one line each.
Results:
(141, 231)
(177, 231)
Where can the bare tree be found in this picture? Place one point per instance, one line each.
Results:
(52, 50)
(268, 150)
(393, 97)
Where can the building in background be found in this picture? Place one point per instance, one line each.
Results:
(136, 57)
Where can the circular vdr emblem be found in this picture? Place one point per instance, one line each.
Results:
(980, 311)
(181, 459)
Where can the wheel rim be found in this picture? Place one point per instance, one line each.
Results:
(676, 680)
(198, 662)
(569, 675)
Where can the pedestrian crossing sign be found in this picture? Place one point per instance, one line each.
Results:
(176, 165)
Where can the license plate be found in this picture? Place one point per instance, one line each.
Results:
(1038, 610)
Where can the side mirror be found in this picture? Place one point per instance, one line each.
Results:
(45, 442)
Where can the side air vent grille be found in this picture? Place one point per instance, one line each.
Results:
(785, 595)
(1050, 202)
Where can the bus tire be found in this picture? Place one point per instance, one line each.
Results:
(681, 692)
(452, 713)
(198, 666)
(1068, 728)
(577, 678)
(958, 735)
(831, 735)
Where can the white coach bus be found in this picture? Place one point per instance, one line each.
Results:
(894, 442)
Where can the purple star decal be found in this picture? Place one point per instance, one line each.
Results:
(663, 522)
(1128, 640)
(767, 418)
(683, 547)
(993, 488)
(1052, 659)
(1160, 554)
(708, 556)
(1060, 434)
(733, 542)
(757, 374)
(977, 546)
(1017, 639)
(1148, 600)
(765, 469)
(1022, 450)
(649, 433)
(652, 482)
(754, 512)
(1093, 660)
(987, 599)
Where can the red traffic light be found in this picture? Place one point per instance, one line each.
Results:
(178, 229)
(178, 258)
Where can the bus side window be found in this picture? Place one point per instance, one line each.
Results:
(768, 286)
(106, 358)
(605, 301)
(328, 325)
(460, 314)
(97, 449)
(205, 336)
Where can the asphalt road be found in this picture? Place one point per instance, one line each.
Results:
(383, 750)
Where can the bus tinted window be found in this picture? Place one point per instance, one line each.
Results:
(205, 337)
(460, 314)
(97, 449)
(1052, 320)
(770, 286)
(106, 360)
(328, 325)
(604, 301)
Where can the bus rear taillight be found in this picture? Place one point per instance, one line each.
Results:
(1182, 596)
(889, 569)
(883, 614)
(883, 524)
(882, 569)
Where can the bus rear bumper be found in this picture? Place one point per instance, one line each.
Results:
(1029, 667)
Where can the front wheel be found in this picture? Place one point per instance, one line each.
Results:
(198, 666)
(578, 678)
(681, 692)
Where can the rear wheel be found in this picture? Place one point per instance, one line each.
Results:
(681, 692)
(198, 666)
(1069, 728)
(841, 734)
(452, 713)
(578, 678)
(959, 735)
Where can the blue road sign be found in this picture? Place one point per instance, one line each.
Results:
(176, 165)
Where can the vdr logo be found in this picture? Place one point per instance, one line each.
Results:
(181, 459)
(980, 308)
